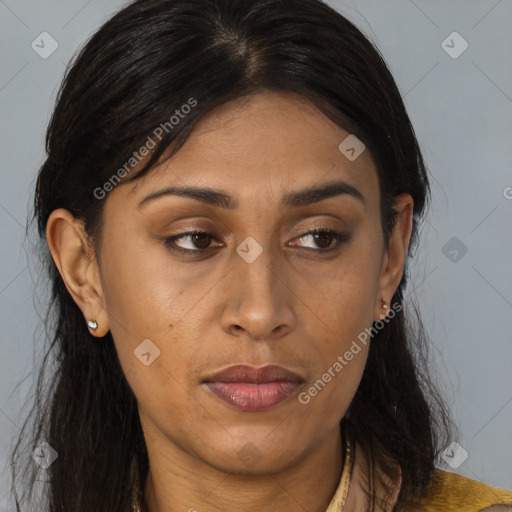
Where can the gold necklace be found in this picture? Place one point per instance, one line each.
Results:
(339, 499)
(337, 503)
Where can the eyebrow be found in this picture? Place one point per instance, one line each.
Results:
(221, 199)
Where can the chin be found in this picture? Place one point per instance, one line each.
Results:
(252, 457)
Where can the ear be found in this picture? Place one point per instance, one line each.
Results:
(393, 261)
(78, 267)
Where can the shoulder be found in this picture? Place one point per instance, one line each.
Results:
(449, 491)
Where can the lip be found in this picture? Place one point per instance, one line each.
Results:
(249, 373)
(252, 389)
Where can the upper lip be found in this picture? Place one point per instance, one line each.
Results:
(249, 373)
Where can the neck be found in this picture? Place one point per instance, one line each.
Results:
(179, 481)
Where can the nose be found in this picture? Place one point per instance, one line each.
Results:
(259, 299)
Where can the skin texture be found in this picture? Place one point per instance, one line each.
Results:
(292, 305)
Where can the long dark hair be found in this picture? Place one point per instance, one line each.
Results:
(142, 65)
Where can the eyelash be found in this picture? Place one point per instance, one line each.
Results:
(337, 235)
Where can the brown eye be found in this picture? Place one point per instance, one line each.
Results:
(201, 240)
(190, 242)
(324, 239)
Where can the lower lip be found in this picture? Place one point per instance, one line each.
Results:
(253, 396)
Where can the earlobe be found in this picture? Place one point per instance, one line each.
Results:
(76, 263)
(395, 256)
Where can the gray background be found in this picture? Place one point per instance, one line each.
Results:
(461, 109)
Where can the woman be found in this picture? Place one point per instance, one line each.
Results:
(231, 194)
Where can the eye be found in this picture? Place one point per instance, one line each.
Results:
(324, 238)
(195, 241)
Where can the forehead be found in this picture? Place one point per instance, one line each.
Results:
(270, 142)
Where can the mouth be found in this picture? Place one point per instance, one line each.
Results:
(252, 389)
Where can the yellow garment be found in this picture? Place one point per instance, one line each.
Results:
(449, 492)
(446, 492)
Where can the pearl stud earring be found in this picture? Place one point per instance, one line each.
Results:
(92, 324)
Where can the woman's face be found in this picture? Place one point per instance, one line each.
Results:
(259, 289)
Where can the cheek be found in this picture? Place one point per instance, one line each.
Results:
(329, 394)
(164, 405)
(343, 299)
(142, 292)
(152, 311)
(340, 317)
